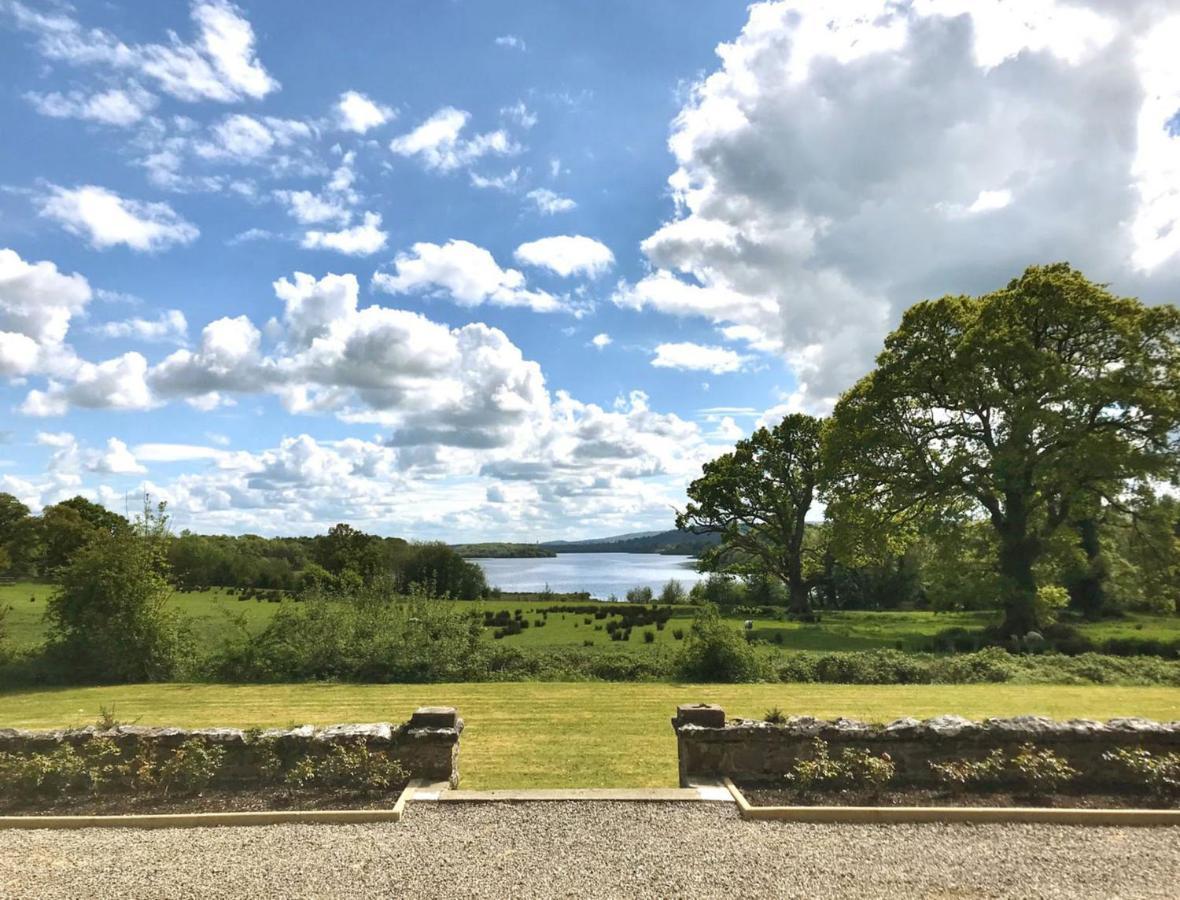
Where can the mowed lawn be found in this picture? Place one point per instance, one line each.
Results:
(564, 735)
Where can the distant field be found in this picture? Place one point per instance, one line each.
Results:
(564, 735)
(212, 614)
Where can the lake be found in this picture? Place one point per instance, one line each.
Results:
(600, 574)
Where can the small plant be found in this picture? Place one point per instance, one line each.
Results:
(104, 764)
(649, 637)
(1160, 775)
(775, 716)
(353, 768)
(106, 718)
(853, 768)
(678, 634)
(1040, 771)
(967, 774)
(191, 767)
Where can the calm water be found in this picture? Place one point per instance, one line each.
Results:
(602, 574)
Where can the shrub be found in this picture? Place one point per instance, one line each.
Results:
(1159, 775)
(965, 774)
(1040, 771)
(351, 768)
(678, 634)
(190, 767)
(775, 716)
(718, 589)
(642, 594)
(108, 619)
(41, 774)
(649, 637)
(716, 652)
(672, 592)
(853, 768)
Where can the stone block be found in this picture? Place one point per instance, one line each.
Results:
(435, 717)
(703, 715)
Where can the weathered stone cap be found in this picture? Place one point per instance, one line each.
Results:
(702, 715)
(435, 717)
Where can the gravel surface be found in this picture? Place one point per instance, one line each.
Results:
(592, 850)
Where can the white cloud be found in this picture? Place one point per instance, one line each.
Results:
(511, 41)
(116, 460)
(567, 255)
(468, 274)
(37, 304)
(439, 144)
(519, 113)
(242, 138)
(601, 340)
(841, 165)
(505, 182)
(116, 106)
(359, 240)
(697, 357)
(107, 220)
(309, 208)
(548, 203)
(170, 325)
(220, 64)
(356, 112)
(171, 453)
(117, 383)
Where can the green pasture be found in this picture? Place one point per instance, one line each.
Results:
(214, 612)
(563, 735)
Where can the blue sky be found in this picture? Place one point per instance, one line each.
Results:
(481, 269)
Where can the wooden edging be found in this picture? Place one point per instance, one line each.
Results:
(973, 815)
(220, 819)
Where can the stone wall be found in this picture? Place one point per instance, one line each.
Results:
(427, 745)
(711, 746)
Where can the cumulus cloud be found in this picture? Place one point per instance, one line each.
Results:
(601, 340)
(117, 106)
(466, 273)
(170, 325)
(698, 357)
(439, 143)
(567, 255)
(107, 220)
(357, 113)
(364, 239)
(117, 459)
(117, 383)
(219, 63)
(548, 203)
(511, 41)
(37, 304)
(839, 166)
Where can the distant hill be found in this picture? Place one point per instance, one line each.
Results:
(675, 543)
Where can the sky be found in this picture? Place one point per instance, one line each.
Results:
(514, 270)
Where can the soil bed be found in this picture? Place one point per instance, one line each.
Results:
(210, 801)
(776, 795)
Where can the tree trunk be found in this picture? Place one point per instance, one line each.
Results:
(1087, 594)
(1018, 552)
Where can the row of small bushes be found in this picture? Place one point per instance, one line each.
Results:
(1031, 771)
(1060, 638)
(99, 766)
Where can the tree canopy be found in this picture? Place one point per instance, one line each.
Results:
(1017, 405)
(757, 498)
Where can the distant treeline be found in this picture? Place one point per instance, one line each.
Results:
(498, 550)
(44, 546)
(668, 543)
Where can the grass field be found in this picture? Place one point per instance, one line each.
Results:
(212, 613)
(563, 735)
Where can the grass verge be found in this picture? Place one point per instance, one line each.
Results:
(531, 734)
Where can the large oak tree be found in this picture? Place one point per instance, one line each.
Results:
(757, 498)
(1018, 403)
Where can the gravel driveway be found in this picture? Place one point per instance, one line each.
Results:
(592, 850)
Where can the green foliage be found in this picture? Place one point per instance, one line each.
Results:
(41, 774)
(774, 716)
(673, 592)
(1158, 773)
(969, 774)
(714, 651)
(640, 595)
(373, 635)
(1015, 406)
(718, 589)
(108, 619)
(190, 768)
(1051, 600)
(757, 498)
(1040, 771)
(348, 767)
(853, 768)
